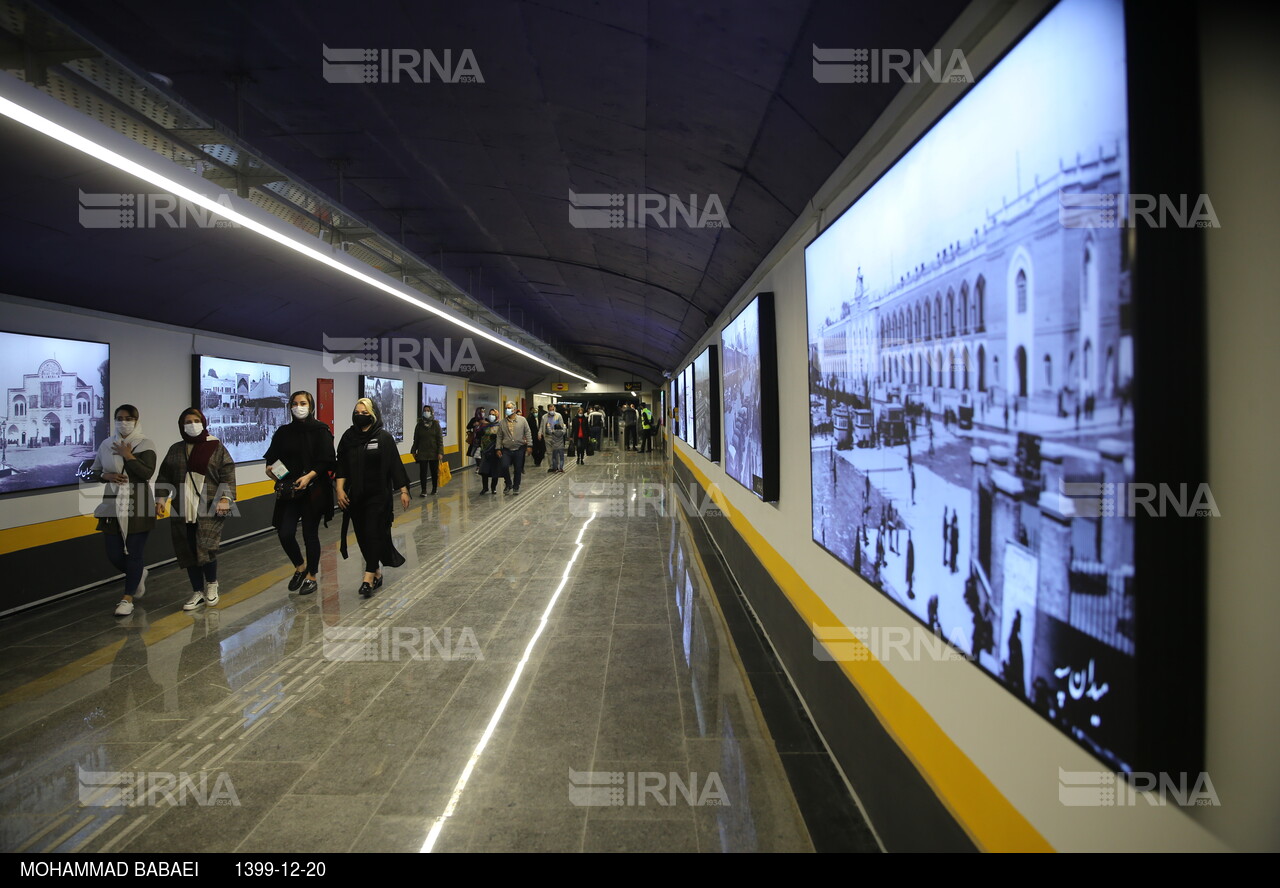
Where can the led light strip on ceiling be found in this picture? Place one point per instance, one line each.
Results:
(21, 112)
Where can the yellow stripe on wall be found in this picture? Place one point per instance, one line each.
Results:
(43, 533)
(981, 810)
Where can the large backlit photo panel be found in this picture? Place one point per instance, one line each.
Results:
(749, 357)
(244, 401)
(972, 333)
(56, 410)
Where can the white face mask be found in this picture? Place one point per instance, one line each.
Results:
(192, 429)
(493, 417)
(302, 411)
(124, 428)
(510, 411)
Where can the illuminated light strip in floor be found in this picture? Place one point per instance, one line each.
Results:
(72, 139)
(440, 821)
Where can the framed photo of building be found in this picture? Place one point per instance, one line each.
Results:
(244, 401)
(388, 394)
(748, 345)
(978, 331)
(56, 409)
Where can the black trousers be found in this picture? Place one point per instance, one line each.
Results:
(646, 439)
(629, 439)
(304, 510)
(372, 518)
(428, 468)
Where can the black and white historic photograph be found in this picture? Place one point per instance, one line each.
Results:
(55, 408)
(434, 396)
(743, 432)
(705, 406)
(971, 358)
(244, 401)
(388, 394)
(686, 394)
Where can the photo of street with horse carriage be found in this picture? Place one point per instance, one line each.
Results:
(971, 365)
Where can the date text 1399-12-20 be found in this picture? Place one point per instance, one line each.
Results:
(302, 868)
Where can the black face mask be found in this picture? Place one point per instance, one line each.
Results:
(362, 420)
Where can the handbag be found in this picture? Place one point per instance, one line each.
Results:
(446, 474)
(285, 489)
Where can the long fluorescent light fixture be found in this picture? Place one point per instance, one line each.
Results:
(68, 137)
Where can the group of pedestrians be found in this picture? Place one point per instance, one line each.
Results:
(196, 479)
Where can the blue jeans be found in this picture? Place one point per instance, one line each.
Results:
(131, 564)
(557, 459)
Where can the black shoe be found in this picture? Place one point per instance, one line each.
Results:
(377, 582)
(422, 495)
(515, 490)
(308, 587)
(365, 590)
(433, 491)
(298, 577)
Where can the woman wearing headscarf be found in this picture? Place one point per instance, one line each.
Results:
(305, 447)
(369, 468)
(490, 463)
(428, 445)
(200, 475)
(473, 435)
(125, 463)
(580, 435)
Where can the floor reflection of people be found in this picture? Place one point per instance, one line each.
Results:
(129, 667)
(198, 686)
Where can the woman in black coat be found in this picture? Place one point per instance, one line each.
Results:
(428, 447)
(305, 447)
(369, 468)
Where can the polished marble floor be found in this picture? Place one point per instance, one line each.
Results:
(548, 672)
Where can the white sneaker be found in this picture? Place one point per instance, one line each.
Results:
(211, 594)
(142, 585)
(196, 599)
(124, 608)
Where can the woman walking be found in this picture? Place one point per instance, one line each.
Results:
(490, 463)
(473, 436)
(580, 436)
(305, 447)
(200, 472)
(428, 447)
(369, 468)
(125, 463)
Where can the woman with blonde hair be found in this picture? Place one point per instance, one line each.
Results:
(369, 468)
